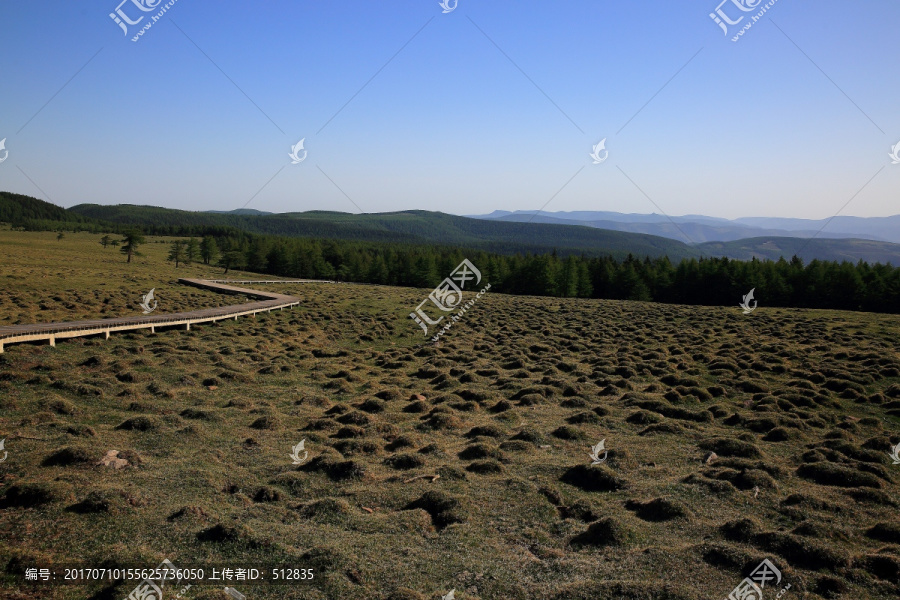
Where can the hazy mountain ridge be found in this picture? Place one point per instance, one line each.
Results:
(696, 229)
(773, 248)
(507, 233)
(410, 227)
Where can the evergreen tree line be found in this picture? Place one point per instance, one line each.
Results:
(705, 281)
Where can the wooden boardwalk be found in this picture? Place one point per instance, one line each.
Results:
(266, 301)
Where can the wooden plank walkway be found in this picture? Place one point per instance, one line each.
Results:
(266, 301)
(257, 281)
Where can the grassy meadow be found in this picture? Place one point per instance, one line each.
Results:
(462, 465)
(44, 280)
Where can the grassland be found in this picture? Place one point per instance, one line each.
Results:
(44, 280)
(800, 408)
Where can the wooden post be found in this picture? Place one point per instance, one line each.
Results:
(152, 329)
(187, 326)
(53, 341)
(106, 334)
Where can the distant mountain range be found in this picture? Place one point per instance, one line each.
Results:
(501, 233)
(240, 211)
(852, 250)
(404, 227)
(696, 229)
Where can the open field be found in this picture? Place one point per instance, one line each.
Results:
(800, 408)
(43, 280)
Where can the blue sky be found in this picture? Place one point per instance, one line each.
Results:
(495, 105)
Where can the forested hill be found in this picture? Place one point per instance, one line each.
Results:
(429, 229)
(410, 227)
(419, 248)
(18, 209)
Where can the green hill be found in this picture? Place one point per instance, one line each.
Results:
(432, 228)
(412, 227)
(18, 209)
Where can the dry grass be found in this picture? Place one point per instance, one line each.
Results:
(42, 280)
(799, 406)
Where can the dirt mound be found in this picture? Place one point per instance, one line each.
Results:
(731, 447)
(658, 509)
(443, 508)
(605, 532)
(32, 494)
(68, 456)
(593, 478)
(140, 424)
(825, 473)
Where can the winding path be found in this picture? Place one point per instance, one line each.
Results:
(266, 301)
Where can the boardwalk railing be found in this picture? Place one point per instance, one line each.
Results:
(267, 301)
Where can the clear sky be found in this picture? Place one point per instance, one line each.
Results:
(495, 105)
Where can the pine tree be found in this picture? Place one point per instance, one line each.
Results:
(192, 251)
(177, 252)
(209, 250)
(133, 240)
(232, 259)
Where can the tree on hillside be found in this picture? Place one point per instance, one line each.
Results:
(192, 251)
(60, 236)
(425, 272)
(378, 272)
(177, 252)
(209, 250)
(133, 239)
(104, 241)
(233, 259)
(256, 258)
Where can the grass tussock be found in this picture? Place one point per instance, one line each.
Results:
(459, 466)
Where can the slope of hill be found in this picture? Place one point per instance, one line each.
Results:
(775, 247)
(884, 228)
(240, 211)
(415, 227)
(16, 209)
(504, 234)
(692, 229)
